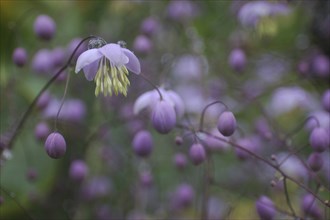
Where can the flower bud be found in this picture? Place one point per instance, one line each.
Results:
(41, 131)
(326, 100)
(55, 145)
(237, 60)
(20, 57)
(319, 139)
(142, 143)
(310, 207)
(43, 100)
(265, 208)
(44, 27)
(163, 117)
(142, 44)
(149, 26)
(315, 161)
(321, 65)
(78, 170)
(227, 123)
(184, 195)
(180, 160)
(178, 140)
(197, 154)
(146, 179)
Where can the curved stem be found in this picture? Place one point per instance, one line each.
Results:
(62, 101)
(298, 128)
(43, 89)
(201, 122)
(153, 85)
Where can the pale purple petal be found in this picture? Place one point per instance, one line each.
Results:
(91, 70)
(144, 101)
(115, 54)
(133, 64)
(178, 103)
(86, 58)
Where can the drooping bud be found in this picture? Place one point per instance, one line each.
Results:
(20, 57)
(180, 160)
(78, 170)
(237, 60)
(41, 131)
(184, 195)
(44, 27)
(326, 100)
(265, 208)
(226, 123)
(319, 139)
(142, 44)
(310, 207)
(197, 154)
(142, 143)
(315, 161)
(163, 117)
(55, 145)
(178, 140)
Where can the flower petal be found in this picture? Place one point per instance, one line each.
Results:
(86, 58)
(144, 101)
(91, 70)
(115, 54)
(178, 103)
(133, 64)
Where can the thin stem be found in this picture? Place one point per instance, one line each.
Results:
(287, 197)
(62, 101)
(201, 123)
(153, 85)
(270, 164)
(43, 89)
(292, 133)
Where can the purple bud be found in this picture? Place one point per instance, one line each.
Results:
(265, 208)
(41, 131)
(321, 66)
(315, 161)
(42, 62)
(72, 46)
(146, 179)
(163, 117)
(78, 170)
(20, 57)
(184, 195)
(227, 123)
(247, 144)
(142, 143)
(197, 154)
(43, 100)
(142, 44)
(326, 100)
(149, 26)
(44, 27)
(55, 145)
(178, 140)
(237, 60)
(319, 139)
(180, 160)
(310, 207)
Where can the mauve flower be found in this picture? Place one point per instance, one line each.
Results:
(184, 195)
(252, 12)
(309, 206)
(78, 170)
(44, 27)
(148, 99)
(163, 117)
(265, 208)
(319, 139)
(180, 160)
(315, 161)
(197, 154)
(41, 131)
(321, 65)
(142, 143)
(55, 145)
(19, 57)
(42, 62)
(108, 65)
(142, 44)
(326, 100)
(237, 60)
(182, 10)
(226, 123)
(149, 26)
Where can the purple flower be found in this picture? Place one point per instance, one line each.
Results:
(55, 145)
(19, 56)
(183, 10)
(142, 44)
(197, 154)
(180, 160)
(142, 143)
(237, 60)
(41, 131)
(78, 170)
(227, 123)
(44, 27)
(309, 206)
(319, 139)
(149, 26)
(42, 62)
(148, 100)
(326, 100)
(265, 208)
(184, 195)
(315, 161)
(108, 65)
(163, 117)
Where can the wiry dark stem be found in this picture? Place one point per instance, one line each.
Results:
(201, 123)
(287, 197)
(43, 89)
(153, 85)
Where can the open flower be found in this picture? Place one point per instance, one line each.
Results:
(108, 65)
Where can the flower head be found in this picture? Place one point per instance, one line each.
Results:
(108, 65)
